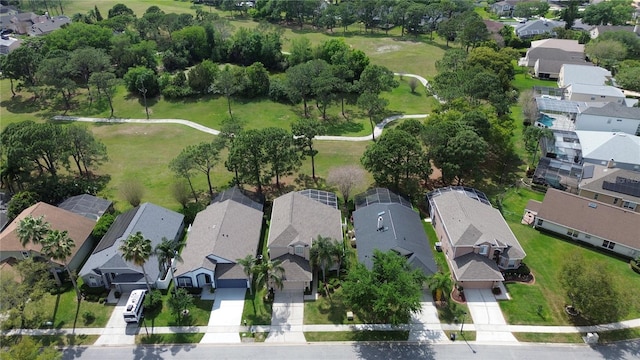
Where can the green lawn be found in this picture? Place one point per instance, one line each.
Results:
(256, 311)
(56, 340)
(328, 311)
(64, 312)
(313, 336)
(190, 338)
(198, 314)
(575, 338)
(545, 256)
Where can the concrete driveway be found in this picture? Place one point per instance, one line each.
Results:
(287, 317)
(430, 329)
(486, 312)
(225, 318)
(117, 331)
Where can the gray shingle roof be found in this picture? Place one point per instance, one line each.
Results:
(605, 90)
(604, 146)
(295, 268)
(295, 217)
(614, 110)
(474, 267)
(153, 221)
(403, 233)
(602, 174)
(585, 74)
(469, 221)
(227, 230)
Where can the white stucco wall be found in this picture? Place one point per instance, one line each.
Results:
(590, 122)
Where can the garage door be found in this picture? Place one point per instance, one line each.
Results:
(231, 283)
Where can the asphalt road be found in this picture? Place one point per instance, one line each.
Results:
(379, 351)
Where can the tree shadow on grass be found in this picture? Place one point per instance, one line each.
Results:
(343, 127)
(21, 105)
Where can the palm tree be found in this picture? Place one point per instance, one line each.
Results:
(440, 283)
(166, 251)
(137, 249)
(322, 254)
(32, 230)
(249, 266)
(59, 246)
(269, 272)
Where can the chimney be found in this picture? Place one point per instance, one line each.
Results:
(611, 164)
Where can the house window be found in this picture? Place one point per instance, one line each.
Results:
(185, 282)
(615, 201)
(587, 236)
(93, 282)
(608, 120)
(511, 264)
(434, 221)
(629, 205)
(25, 254)
(540, 221)
(595, 197)
(484, 249)
(573, 233)
(608, 244)
(299, 250)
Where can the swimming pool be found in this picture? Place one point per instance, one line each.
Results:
(546, 120)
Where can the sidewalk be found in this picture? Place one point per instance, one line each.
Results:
(635, 323)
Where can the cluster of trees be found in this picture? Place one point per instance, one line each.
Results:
(262, 272)
(528, 9)
(613, 12)
(35, 154)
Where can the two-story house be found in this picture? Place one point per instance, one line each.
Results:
(474, 236)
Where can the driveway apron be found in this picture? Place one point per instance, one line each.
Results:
(226, 317)
(486, 312)
(117, 331)
(287, 317)
(426, 325)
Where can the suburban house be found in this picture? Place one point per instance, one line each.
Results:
(593, 93)
(20, 23)
(106, 266)
(538, 27)
(611, 117)
(297, 219)
(504, 8)
(49, 25)
(78, 227)
(607, 184)
(89, 206)
(604, 226)
(582, 74)
(8, 44)
(599, 147)
(596, 31)
(227, 230)
(546, 57)
(385, 221)
(474, 236)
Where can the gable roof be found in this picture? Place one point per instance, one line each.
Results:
(475, 267)
(554, 56)
(403, 233)
(89, 206)
(78, 227)
(603, 177)
(297, 218)
(604, 90)
(614, 110)
(49, 25)
(537, 27)
(228, 229)
(470, 222)
(559, 44)
(153, 221)
(604, 146)
(605, 221)
(584, 74)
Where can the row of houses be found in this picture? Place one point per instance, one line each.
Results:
(14, 24)
(477, 241)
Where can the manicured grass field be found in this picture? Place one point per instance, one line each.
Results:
(545, 256)
(574, 338)
(256, 311)
(56, 340)
(328, 311)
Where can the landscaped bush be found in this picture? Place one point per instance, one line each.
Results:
(153, 300)
(88, 317)
(635, 265)
(103, 224)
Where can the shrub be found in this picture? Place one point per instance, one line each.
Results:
(103, 224)
(278, 91)
(88, 317)
(153, 300)
(635, 265)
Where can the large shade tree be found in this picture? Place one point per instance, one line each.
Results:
(386, 294)
(57, 245)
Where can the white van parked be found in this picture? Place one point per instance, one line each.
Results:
(135, 306)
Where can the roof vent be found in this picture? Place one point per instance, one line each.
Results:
(593, 205)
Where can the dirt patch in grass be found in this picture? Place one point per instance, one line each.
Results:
(387, 48)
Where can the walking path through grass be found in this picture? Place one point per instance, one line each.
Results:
(377, 131)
